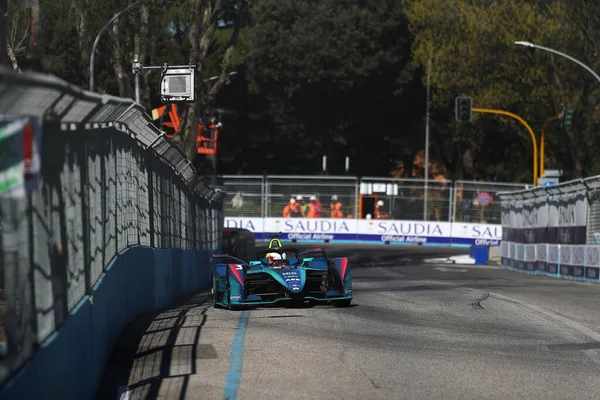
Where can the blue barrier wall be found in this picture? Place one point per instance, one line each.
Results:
(70, 363)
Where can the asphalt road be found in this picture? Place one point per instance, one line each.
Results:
(415, 331)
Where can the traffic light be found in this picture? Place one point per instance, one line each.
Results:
(463, 109)
(567, 118)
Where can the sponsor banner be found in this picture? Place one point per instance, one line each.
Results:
(410, 232)
(12, 162)
(317, 229)
(592, 273)
(20, 155)
(379, 231)
(32, 152)
(255, 225)
(478, 234)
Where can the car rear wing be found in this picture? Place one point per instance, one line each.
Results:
(312, 253)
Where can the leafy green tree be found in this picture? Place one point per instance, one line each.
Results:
(335, 74)
(471, 45)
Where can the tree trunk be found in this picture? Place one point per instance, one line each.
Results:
(203, 23)
(140, 47)
(81, 20)
(227, 61)
(121, 74)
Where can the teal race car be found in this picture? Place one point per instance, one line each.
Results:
(281, 276)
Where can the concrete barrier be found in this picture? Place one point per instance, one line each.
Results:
(70, 363)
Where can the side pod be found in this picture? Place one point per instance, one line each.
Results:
(237, 276)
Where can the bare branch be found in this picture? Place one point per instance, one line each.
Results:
(227, 61)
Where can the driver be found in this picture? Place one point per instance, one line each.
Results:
(275, 260)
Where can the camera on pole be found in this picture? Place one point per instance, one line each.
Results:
(464, 110)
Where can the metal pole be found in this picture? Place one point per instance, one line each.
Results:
(531, 133)
(425, 213)
(97, 40)
(214, 170)
(136, 72)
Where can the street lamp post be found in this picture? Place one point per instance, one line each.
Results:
(427, 116)
(576, 61)
(536, 46)
(104, 28)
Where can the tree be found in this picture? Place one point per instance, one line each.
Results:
(335, 81)
(474, 54)
(205, 17)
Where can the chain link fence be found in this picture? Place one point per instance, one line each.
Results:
(305, 189)
(479, 202)
(108, 180)
(245, 195)
(367, 197)
(553, 230)
(406, 199)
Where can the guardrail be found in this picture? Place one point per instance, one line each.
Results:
(102, 218)
(553, 231)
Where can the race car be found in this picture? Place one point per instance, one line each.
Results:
(281, 275)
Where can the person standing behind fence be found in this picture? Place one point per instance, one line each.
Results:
(291, 210)
(302, 205)
(379, 213)
(335, 207)
(319, 208)
(311, 208)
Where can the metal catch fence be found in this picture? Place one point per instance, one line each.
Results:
(554, 230)
(279, 189)
(367, 197)
(245, 195)
(479, 201)
(100, 178)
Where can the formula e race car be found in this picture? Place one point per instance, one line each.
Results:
(281, 275)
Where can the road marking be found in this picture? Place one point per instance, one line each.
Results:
(445, 269)
(237, 355)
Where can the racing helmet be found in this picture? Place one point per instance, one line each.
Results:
(276, 259)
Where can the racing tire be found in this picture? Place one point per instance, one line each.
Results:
(342, 303)
(213, 293)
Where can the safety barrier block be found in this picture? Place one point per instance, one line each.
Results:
(162, 281)
(71, 362)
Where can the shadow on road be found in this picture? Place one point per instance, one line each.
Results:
(155, 347)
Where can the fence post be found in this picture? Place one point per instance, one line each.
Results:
(85, 223)
(455, 201)
(150, 164)
(450, 203)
